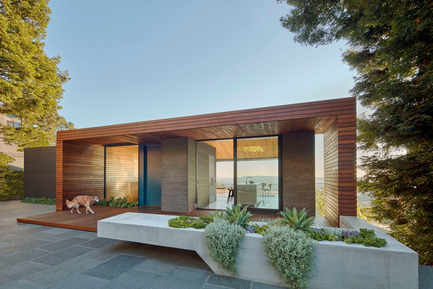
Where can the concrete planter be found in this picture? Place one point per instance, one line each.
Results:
(337, 265)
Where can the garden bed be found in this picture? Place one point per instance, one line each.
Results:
(337, 265)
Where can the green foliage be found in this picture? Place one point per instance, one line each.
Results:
(30, 81)
(297, 221)
(277, 222)
(237, 216)
(258, 229)
(391, 49)
(223, 240)
(216, 215)
(188, 222)
(320, 202)
(121, 202)
(11, 181)
(290, 252)
(43, 200)
(366, 237)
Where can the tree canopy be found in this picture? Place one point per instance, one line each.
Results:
(391, 48)
(30, 81)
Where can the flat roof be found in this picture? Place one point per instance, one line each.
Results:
(310, 116)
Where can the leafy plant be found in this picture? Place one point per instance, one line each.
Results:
(258, 229)
(188, 222)
(11, 181)
(42, 200)
(290, 252)
(365, 237)
(216, 215)
(121, 202)
(237, 216)
(297, 221)
(223, 240)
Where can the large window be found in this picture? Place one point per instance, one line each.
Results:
(258, 172)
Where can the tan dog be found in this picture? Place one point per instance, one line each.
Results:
(85, 201)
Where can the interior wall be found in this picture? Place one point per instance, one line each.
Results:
(82, 171)
(204, 177)
(298, 157)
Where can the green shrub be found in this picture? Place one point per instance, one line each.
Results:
(43, 200)
(223, 240)
(366, 237)
(237, 216)
(121, 202)
(277, 222)
(11, 181)
(297, 221)
(216, 215)
(258, 229)
(188, 222)
(290, 252)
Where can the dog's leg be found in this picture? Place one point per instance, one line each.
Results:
(72, 210)
(88, 207)
(76, 207)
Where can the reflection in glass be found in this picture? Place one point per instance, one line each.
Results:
(217, 166)
(257, 172)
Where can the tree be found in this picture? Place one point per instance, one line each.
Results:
(30, 81)
(391, 48)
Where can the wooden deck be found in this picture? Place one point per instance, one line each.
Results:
(84, 222)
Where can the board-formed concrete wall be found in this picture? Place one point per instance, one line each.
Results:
(298, 160)
(178, 191)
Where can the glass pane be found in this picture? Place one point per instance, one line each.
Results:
(121, 169)
(257, 172)
(215, 175)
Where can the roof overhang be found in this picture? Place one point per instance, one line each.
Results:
(313, 116)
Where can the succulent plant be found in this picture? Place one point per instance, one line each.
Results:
(297, 221)
(237, 216)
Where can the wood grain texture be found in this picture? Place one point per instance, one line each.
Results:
(316, 116)
(84, 222)
(80, 171)
(340, 168)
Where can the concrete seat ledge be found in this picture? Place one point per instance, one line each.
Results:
(337, 265)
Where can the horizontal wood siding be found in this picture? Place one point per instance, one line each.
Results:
(340, 169)
(347, 198)
(312, 110)
(331, 174)
(81, 173)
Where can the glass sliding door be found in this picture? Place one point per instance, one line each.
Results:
(258, 172)
(121, 172)
(215, 174)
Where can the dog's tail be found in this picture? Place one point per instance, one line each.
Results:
(69, 204)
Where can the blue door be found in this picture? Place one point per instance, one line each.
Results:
(150, 175)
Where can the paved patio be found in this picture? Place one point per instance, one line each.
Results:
(33, 256)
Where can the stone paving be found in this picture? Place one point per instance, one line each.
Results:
(35, 257)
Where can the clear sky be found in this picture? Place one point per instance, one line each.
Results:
(142, 60)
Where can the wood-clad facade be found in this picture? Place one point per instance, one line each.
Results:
(80, 154)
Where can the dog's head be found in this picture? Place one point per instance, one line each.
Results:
(95, 199)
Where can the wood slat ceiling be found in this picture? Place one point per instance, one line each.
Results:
(313, 116)
(250, 148)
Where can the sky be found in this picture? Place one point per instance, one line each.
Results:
(142, 60)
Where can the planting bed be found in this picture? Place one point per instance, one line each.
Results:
(337, 265)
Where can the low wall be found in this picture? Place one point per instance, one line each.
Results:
(337, 265)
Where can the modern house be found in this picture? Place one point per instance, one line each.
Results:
(263, 158)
